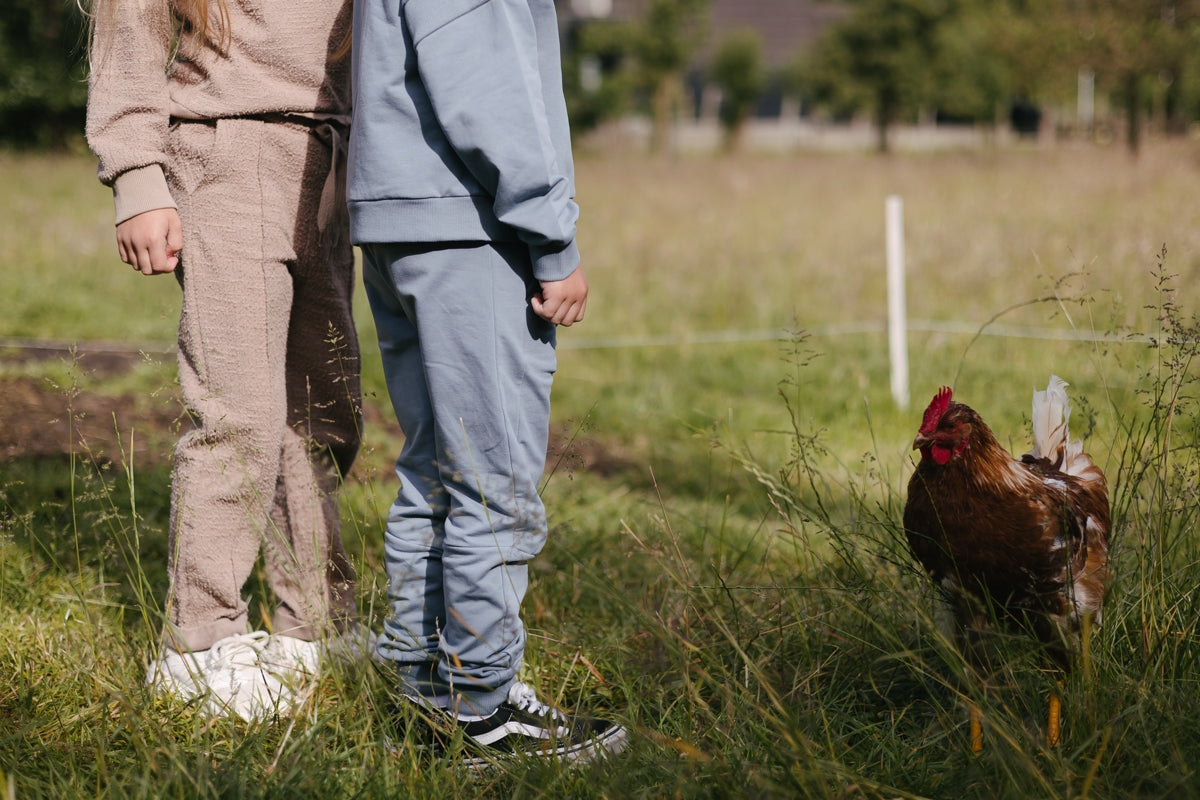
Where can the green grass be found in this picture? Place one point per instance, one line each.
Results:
(726, 572)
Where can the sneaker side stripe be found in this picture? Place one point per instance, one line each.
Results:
(519, 729)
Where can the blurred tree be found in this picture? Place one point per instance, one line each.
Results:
(964, 60)
(663, 44)
(1185, 106)
(882, 56)
(597, 79)
(973, 79)
(1133, 44)
(738, 69)
(43, 87)
(998, 55)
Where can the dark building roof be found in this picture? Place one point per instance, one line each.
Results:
(786, 26)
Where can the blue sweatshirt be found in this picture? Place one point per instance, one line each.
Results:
(460, 128)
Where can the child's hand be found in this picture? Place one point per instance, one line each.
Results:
(151, 241)
(562, 302)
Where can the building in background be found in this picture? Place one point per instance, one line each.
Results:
(781, 122)
(785, 28)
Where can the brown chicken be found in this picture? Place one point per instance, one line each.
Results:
(1023, 541)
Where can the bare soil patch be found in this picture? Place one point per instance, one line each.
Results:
(42, 421)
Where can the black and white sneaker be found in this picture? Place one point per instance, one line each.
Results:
(525, 726)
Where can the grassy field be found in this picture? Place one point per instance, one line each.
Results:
(726, 572)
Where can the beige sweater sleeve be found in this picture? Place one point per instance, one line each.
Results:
(129, 103)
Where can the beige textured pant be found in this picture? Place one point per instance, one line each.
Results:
(268, 368)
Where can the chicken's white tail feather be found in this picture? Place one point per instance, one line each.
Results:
(1051, 412)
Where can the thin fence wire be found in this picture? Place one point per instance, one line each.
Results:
(573, 342)
(51, 347)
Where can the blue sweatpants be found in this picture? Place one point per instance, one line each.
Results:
(469, 368)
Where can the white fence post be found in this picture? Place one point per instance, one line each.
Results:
(897, 313)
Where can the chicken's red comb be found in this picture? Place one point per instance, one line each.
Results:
(937, 407)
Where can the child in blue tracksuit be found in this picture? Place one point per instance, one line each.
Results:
(461, 194)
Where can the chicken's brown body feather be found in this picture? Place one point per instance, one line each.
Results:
(1023, 540)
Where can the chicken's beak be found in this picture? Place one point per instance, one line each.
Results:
(920, 441)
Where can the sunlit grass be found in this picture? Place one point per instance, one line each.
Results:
(726, 572)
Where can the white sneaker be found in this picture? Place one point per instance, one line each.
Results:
(176, 673)
(296, 660)
(291, 659)
(239, 682)
(228, 677)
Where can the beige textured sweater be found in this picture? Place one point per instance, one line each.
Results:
(280, 61)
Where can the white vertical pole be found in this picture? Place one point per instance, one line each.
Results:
(1086, 100)
(897, 312)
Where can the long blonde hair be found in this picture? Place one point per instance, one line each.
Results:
(203, 23)
(189, 26)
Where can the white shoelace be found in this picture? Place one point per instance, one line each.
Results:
(525, 698)
(240, 650)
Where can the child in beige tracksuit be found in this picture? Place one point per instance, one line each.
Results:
(224, 144)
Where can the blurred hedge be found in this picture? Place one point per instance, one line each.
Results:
(43, 77)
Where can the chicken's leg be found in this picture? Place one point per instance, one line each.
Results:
(976, 729)
(1054, 723)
